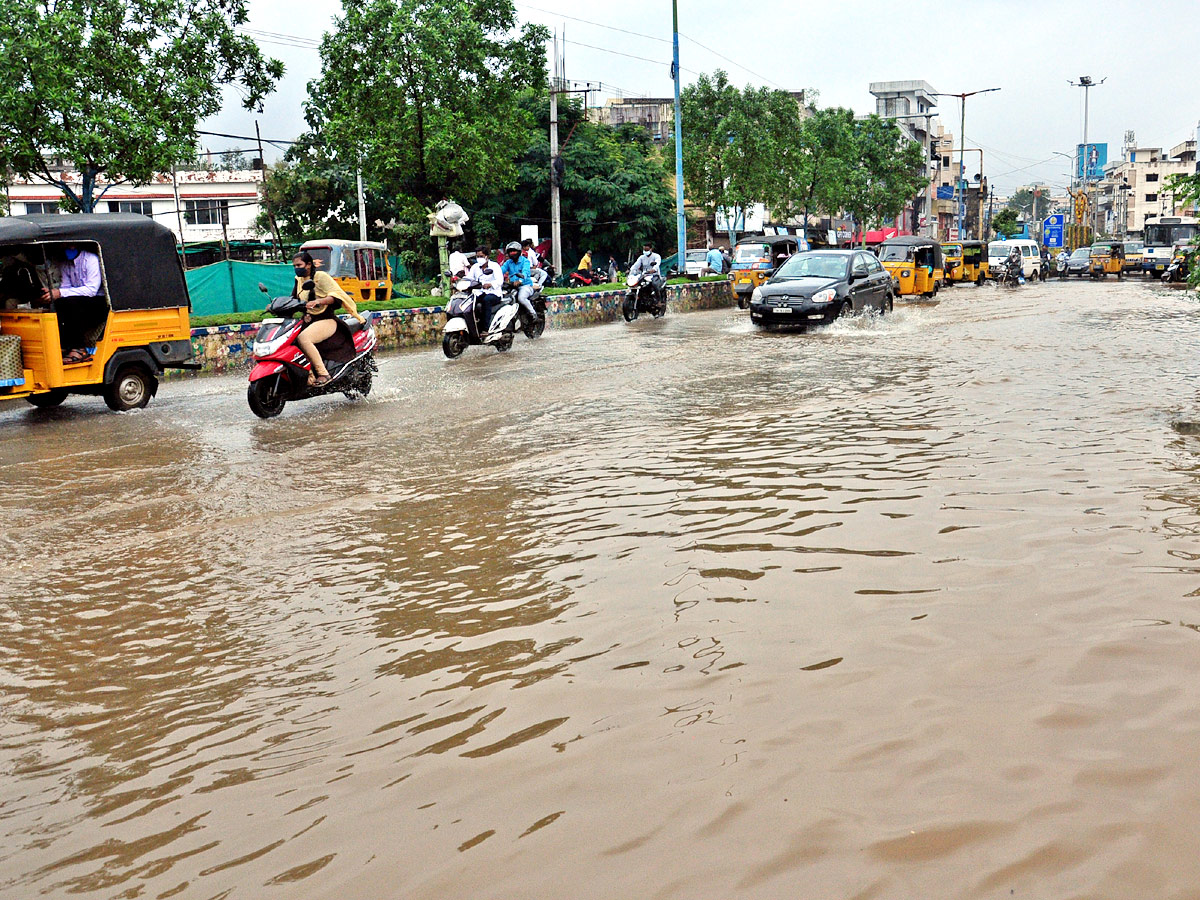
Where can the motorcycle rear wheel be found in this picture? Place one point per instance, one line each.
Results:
(535, 328)
(265, 399)
(505, 343)
(454, 343)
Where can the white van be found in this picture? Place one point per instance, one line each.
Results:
(1031, 257)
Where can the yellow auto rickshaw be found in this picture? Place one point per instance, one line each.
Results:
(361, 268)
(1107, 258)
(953, 256)
(123, 337)
(755, 259)
(1134, 251)
(975, 262)
(915, 263)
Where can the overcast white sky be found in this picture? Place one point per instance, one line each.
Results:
(1146, 49)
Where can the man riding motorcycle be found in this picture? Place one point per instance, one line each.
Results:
(1014, 262)
(487, 275)
(650, 263)
(516, 273)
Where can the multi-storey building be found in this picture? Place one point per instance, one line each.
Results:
(1136, 188)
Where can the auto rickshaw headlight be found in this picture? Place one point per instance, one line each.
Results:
(904, 273)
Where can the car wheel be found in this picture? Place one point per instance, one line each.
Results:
(889, 303)
(846, 310)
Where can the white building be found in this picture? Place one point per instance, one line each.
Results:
(206, 200)
(913, 106)
(1135, 188)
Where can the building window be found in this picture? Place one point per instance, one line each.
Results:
(1152, 198)
(37, 209)
(141, 207)
(1152, 176)
(206, 212)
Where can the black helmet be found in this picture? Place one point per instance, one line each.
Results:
(511, 246)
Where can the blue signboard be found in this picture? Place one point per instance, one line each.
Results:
(1052, 236)
(1054, 221)
(945, 192)
(1090, 158)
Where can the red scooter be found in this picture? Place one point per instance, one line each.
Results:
(281, 369)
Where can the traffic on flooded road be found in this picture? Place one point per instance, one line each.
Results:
(691, 607)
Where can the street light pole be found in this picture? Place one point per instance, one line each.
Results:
(680, 218)
(959, 190)
(1087, 83)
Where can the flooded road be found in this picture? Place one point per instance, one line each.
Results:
(903, 608)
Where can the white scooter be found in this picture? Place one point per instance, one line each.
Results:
(464, 327)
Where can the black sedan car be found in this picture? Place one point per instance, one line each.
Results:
(1080, 262)
(818, 286)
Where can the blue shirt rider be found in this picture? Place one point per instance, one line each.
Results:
(516, 271)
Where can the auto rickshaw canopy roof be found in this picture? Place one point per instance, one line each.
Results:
(771, 239)
(918, 243)
(140, 259)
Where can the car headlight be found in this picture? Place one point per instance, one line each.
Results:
(826, 296)
(756, 295)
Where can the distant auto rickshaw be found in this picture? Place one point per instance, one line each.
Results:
(755, 259)
(133, 329)
(361, 268)
(966, 261)
(915, 263)
(1107, 258)
(952, 254)
(1133, 256)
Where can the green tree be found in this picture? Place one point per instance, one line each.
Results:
(1005, 222)
(422, 94)
(1023, 201)
(118, 86)
(827, 154)
(741, 147)
(889, 170)
(615, 192)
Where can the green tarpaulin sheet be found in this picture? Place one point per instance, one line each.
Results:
(232, 286)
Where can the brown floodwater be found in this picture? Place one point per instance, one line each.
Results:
(902, 608)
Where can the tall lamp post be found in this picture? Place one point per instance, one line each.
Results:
(680, 217)
(1087, 83)
(959, 192)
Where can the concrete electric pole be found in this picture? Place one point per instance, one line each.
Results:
(960, 189)
(555, 168)
(680, 218)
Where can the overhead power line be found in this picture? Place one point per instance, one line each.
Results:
(657, 62)
(733, 62)
(649, 37)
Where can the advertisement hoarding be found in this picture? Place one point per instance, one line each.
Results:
(1090, 160)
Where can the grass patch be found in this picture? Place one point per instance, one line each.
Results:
(620, 285)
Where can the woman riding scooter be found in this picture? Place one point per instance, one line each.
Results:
(322, 297)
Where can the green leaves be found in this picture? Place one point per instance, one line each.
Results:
(119, 86)
(756, 145)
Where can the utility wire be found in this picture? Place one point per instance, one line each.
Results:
(657, 62)
(649, 37)
(733, 62)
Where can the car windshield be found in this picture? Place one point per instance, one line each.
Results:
(697, 255)
(1081, 253)
(747, 253)
(813, 265)
(895, 252)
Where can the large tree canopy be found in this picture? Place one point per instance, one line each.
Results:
(423, 94)
(889, 170)
(118, 86)
(615, 192)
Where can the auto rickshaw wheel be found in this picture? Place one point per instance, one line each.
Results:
(48, 400)
(131, 389)
(889, 303)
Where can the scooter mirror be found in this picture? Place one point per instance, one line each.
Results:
(262, 287)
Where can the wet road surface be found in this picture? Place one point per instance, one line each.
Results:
(900, 608)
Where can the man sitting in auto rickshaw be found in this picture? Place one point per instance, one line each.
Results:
(78, 301)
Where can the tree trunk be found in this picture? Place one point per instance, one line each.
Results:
(87, 191)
